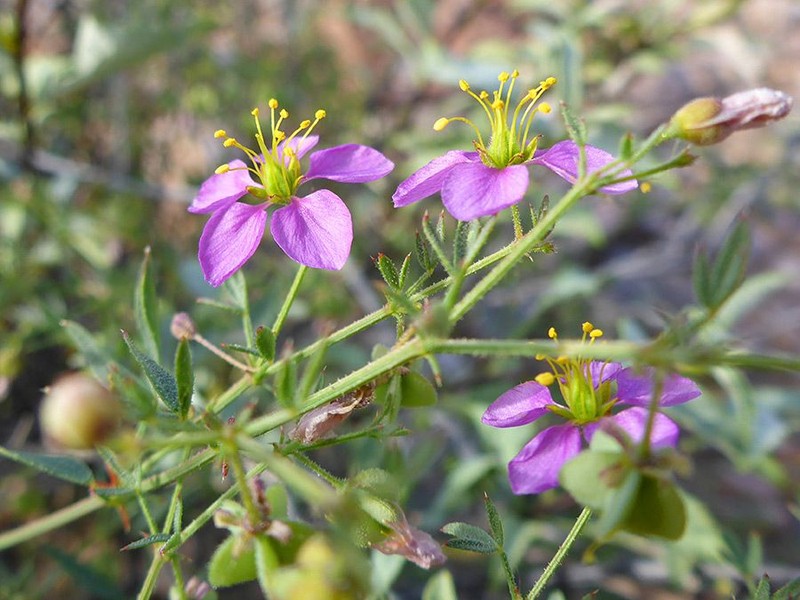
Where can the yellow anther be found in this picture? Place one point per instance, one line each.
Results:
(552, 333)
(220, 133)
(503, 77)
(540, 357)
(514, 74)
(544, 107)
(586, 327)
(645, 187)
(596, 333)
(463, 85)
(284, 114)
(498, 104)
(273, 104)
(545, 379)
(550, 82)
(229, 142)
(255, 112)
(440, 123)
(562, 360)
(320, 114)
(304, 124)
(279, 135)
(483, 95)
(222, 169)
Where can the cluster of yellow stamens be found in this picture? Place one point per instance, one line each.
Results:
(510, 142)
(585, 399)
(275, 162)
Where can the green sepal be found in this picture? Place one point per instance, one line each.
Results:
(470, 538)
(657, 510)
(460, 241)
(422, 252)
(590, 477)
(495, 523)
(146, 541)
(144, 308)
(404, 271)
(233, 562)
(265, 342)
(416, 391)
(576, 128)
(162, 380)
(184, 377)
(626, 146)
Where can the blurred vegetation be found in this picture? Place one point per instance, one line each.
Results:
(108, 109)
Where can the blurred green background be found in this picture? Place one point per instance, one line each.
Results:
(108, 110)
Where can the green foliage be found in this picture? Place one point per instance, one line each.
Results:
(63, 467)
(163, 382)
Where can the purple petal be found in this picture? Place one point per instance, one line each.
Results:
(636, 388)
(473, 190)
(634, 422)
(520, 405)
(428, 180)
(603, 371)
(350, 163)
(563, 158)
(536, 467)
(221, 190)
(315, 231)
(300, 145)
(229, 239)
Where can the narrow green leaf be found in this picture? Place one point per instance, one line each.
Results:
(242, 349)
(700, 278)
(460, 238)
(63, 467)
(763, 589)
(96, 358)
(232, 562)
(184, 376)
(626, 146)
(440, 587)
(729, 268)
(265, 342)
(576, 128)
(440, 233)
(144, 308)
(388, 271)
(495, 523)
(285, 383)
(404, 271)
(146, 541)
(790, 591)
(236, 287)
(422, 252)
(162, 380)
(177, 520)
(469, 537)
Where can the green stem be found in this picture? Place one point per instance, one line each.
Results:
(555, 562)
(151, 578)
(50, 522)
(289, 300)
(232, 455)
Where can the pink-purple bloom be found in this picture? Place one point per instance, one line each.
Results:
(590, 390)
(314, 230)
(495, 176)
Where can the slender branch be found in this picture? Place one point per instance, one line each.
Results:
(560, 554)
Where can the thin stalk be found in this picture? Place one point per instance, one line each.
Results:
(555, 562)
(52, 521)
(289, 300)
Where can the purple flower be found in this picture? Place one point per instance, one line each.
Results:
(590, 391)
(315, 230)
(495, 176)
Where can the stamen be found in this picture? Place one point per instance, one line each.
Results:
(595, 333)
(645, 187)
(222, 169)
(220, 133)
(552, 333)
(230, 142)
(586, 327)
(546, 379)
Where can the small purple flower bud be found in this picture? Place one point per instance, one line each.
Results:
(182, 326)
(79, 413)
(706, 121)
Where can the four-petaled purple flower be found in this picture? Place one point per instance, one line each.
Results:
(315, 230)
(590, 389)
(495, 176)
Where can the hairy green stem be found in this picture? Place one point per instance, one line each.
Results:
(565, 546)
(289, 300)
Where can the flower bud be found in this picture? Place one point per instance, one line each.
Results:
(79, 413)
(706, 121)
(182, 326)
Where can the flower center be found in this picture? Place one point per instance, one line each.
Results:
(586, 396)
(510, 142)
(274, 165)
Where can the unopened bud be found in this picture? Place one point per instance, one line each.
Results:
(706, 121)
(182, 326)
(78, 412)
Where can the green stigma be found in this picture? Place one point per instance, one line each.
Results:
(584, 401)
(510, 142)
(274, 164)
